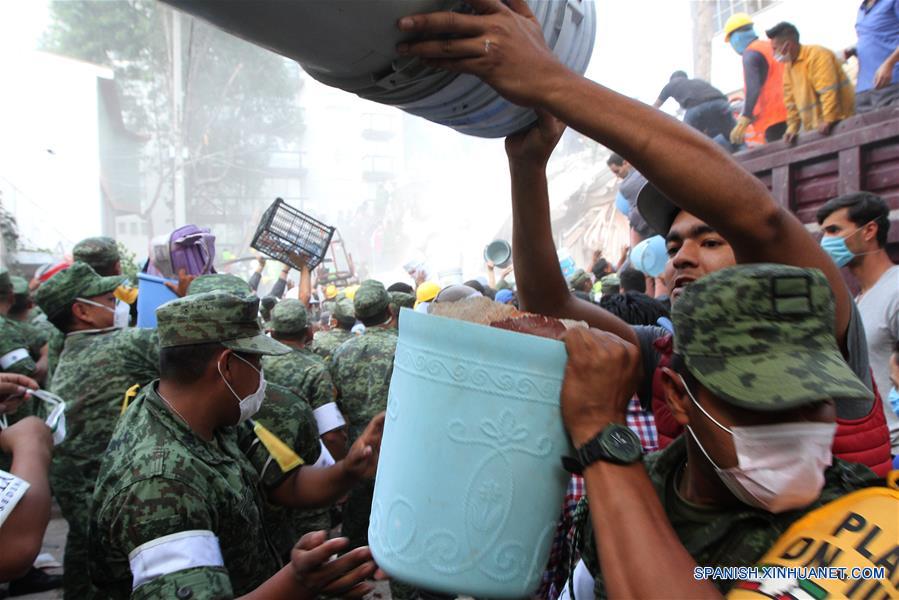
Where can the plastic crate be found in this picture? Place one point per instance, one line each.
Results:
(292, 237)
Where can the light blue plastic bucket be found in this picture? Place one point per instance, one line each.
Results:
(470, 483)
(151, 294)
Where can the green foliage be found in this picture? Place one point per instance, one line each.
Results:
(128, 263)
(239, 100)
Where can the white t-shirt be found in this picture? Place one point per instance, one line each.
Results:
(879, 307)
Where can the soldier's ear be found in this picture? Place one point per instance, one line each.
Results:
(676, 396)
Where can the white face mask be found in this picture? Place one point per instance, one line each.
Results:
(779, 467)
(121, 313)
(250, 405)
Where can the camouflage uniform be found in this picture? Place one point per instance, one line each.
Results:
(759, 337)
(95, 370)
(290, 418)
(301, 371)
(361, 369)
(17, 346)
(327, 342)
(195, 506)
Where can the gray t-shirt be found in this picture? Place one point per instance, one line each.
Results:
(630, 188)
(857, 361)
(879, 308)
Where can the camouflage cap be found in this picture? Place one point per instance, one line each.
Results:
(343, 309)
(19, 285)
(5, 282)
(96, 251)
(211, 317)
(577, 279)
(219, 282)
(57, 294)
(371, 299)
(761, 337)
(400, 300)
(289, 316)
(609, 283)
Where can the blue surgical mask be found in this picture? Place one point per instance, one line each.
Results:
(836, 247)
(839, 252)
(894, 400)
(739, 40)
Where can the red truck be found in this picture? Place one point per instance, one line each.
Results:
(861, 154)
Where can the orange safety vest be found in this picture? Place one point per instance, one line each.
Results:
(769, 109)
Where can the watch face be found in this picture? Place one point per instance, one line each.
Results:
(622, 444)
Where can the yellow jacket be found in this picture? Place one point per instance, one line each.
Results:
(816, 90)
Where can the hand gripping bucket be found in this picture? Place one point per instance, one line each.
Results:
(470, 483)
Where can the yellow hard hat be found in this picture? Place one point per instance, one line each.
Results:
(426, 292)
(734, 22)
(331, 291)
(350, 292)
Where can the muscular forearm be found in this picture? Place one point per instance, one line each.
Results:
(623, 520)
(541, 286)
(696, 175)
(23, 531)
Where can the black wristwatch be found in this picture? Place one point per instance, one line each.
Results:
(615, 444)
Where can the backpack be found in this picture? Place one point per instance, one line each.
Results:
(189, 247)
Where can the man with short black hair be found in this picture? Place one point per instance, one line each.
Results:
(817, 92)
(632, 280)
(855, 229)
(706, 106)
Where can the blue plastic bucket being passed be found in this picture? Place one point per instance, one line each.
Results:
(470, 483)
(151, 294)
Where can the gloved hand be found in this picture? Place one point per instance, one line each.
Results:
(738, 133)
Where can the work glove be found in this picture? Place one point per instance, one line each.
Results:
(738, 133)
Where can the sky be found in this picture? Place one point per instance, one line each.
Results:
(638, 44)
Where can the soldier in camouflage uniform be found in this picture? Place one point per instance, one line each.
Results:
(343, 318)
(177, 510)
(400, 300)
(754, 348)
(100, 253)
(22, 347)
(290, 418)
(98, 364)
(305, 374)
(361, 369)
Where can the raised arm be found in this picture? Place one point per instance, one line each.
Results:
(541, 286)
(685, 165)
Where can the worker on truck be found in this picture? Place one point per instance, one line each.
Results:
(817, 92)
(763, 104)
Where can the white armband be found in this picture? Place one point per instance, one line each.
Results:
(11, 358)
(328, 418)
(12, 489)
(175, 552)
(324, 459)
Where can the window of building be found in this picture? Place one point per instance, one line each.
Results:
(725, 8)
